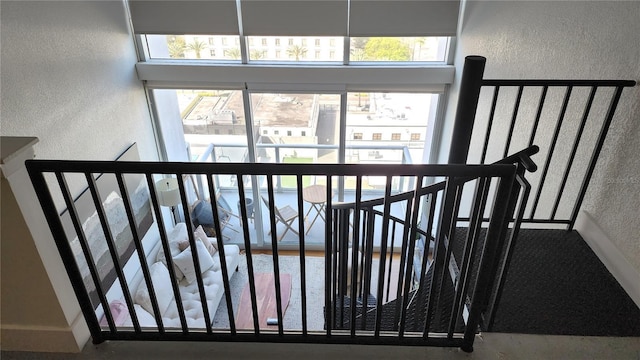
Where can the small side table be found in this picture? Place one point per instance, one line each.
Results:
(316, 195)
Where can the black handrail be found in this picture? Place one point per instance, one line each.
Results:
(462, 284)
(544, 206)
(406, 332)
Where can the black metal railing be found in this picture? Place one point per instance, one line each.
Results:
(412, 329)
(357, 224)
(567, 119)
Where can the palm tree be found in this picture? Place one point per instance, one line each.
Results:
(233, 54)
(357, 54)
(176, 47)
(257, 55)
(296, 51)
(420, 42)
(197, 46)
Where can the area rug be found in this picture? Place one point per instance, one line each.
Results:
(287, 265)
(265, 288)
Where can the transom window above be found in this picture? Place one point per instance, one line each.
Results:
(362, 50)
(377, 31)
(296, 50)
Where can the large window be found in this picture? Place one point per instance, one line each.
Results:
(376, 121)
(304, 126)
(295, 82)
(214, 117)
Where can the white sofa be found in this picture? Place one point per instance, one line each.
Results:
(211, 277)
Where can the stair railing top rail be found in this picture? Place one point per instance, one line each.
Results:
(545, 108)
(521, 158)
(50, 177)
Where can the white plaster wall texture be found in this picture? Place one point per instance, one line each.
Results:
(68, 77)
(564, 40)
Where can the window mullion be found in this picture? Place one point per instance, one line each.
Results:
(347, 50)
(342, 141)
(244, 52)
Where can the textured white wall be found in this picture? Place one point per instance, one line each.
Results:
(569, 39)
(68, 78)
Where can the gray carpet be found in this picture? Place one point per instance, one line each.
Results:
(288, 265)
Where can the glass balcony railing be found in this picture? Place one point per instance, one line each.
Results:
(311, 154)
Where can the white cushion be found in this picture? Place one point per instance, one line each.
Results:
(231, 255)
(144, 318)
(174, 237)
(184, 261)
(194, 314)
(161, 284)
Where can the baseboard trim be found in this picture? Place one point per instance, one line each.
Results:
(609, 254)
(80, 331)
(38, 339)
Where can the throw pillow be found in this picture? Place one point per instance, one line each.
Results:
(161, 284)
(174, 237)
(144, 318)
(119, 312)
(184, 261)
(210, 249)
(200, 234)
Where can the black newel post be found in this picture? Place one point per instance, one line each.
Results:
(466, 110)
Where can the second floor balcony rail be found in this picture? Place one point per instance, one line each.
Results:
(89, 254)
(278, 153)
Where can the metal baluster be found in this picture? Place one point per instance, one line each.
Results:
(495, 234)
(554, 139)
(383, 255)
(73, 213)
(140, 250)
(534, 129)
(475, 224)
(513, 121)
(97, 201)
(221, 251)
(354, 255)
(194, 253)
(412, 244)
(595, 154)
(489, 125)
(167, 252)
(574, 149)
(303, 279)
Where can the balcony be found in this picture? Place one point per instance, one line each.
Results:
(286, 192)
